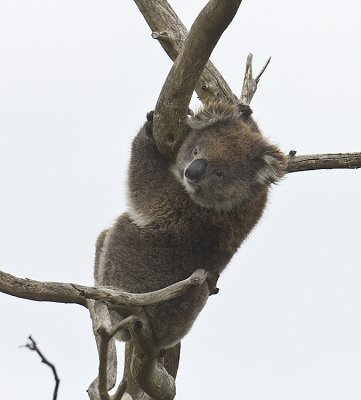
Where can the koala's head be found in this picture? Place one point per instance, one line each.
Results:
(225, 160)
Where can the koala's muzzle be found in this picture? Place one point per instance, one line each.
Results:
(196, 170)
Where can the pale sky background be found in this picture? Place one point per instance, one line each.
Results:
(76, 81)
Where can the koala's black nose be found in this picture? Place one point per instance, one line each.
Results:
(196, 169)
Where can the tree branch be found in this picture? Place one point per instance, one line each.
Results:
(107, 376)
(40, 291)
(146, 367)
(106, 333)
(249, 83)
(171, 33)
(323, 161)
(170, 114)
(78, 294)
(32, 345)
(169, 30)
(147, 364)
(118, 297)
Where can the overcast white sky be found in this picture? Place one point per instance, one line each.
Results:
(76, 80)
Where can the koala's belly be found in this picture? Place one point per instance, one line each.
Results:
(140, 260)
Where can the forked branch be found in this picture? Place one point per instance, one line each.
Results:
(171, 33)
(191, 71)
(170, 113)
(169, 30)
(249, 83)
(146, 371)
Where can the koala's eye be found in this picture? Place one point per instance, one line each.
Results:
(218, 173)
(195, 151)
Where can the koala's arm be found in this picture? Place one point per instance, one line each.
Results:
(151, 184)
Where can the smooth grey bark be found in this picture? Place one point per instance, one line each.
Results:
(170, 114)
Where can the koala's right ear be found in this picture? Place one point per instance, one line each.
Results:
(274, 167)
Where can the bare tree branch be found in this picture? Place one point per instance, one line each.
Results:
(249, 83)
(40, 291)
(72, 293)
(120, 390)
(145, 371)
(171, 33)
(133, 388)
(118, 297)
(107, 376)
(32, 345)
(146, 368)
(323, 161)
(147, 364)
(169, 30)
(170, 114)
(105, 334)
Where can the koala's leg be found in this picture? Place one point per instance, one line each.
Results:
(115, 316)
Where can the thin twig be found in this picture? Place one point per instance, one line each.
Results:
(32, 345)
(258, 77)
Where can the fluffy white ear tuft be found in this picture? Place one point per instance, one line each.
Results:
(273, 170)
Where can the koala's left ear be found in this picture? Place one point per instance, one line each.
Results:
(274, 167)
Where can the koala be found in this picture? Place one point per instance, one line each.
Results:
(189, 214)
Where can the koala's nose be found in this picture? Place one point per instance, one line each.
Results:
(196, 169)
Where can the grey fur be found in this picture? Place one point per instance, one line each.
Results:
(175, 226)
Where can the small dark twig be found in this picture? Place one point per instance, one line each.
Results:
(32, 345)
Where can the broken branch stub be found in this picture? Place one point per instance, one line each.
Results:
(170, 115)
(249, 83)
